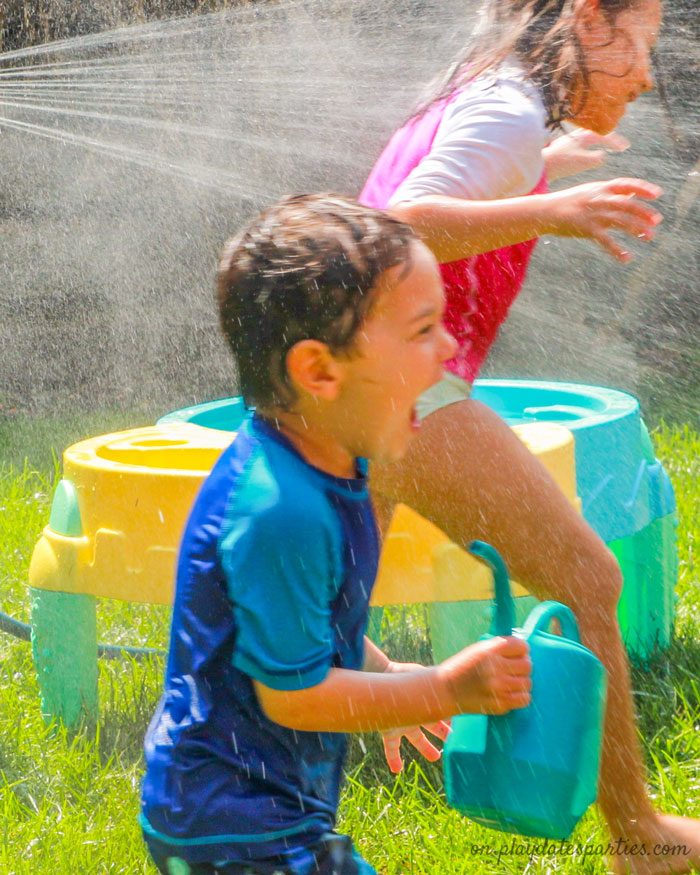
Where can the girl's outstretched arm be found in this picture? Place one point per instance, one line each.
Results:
(456, 228)
(578, 151)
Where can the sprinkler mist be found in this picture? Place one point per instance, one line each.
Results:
(129, 156)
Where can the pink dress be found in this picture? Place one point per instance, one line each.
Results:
(480, 289)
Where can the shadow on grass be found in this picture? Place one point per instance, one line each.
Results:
(129, 692)
(667, 690)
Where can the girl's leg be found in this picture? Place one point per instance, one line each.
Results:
(469, 474)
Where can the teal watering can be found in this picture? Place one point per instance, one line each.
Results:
(533, 771)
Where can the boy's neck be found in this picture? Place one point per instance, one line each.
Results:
(315, 443)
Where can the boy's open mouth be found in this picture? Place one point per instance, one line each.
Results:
(415, 421)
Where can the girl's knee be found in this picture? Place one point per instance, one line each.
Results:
(603, 588)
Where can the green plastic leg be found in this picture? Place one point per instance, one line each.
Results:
(649, 563)
(374, 625)
(64, 644)
(454, 625)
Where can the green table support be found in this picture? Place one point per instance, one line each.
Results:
(64, 632)
(64, 646)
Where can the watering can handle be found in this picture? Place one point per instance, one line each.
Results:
(541, 616)
(504, 615)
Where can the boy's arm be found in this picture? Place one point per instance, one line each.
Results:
(375, 659)
(490, 677)
(360, 701)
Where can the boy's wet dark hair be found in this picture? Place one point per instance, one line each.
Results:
(304, 269)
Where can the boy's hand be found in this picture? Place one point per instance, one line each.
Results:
(417, 737)
(579, 151)
(489, 677)
(413, 734)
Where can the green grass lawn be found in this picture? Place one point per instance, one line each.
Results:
(68, 802)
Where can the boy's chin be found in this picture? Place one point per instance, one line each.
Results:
(395, 451)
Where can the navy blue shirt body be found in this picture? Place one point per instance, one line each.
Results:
(274, 575)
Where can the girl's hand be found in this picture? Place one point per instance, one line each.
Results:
(414, 734)
(574, 152)
(596, 208)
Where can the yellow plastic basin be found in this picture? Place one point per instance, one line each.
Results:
(135, 490)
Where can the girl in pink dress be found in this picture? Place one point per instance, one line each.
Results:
(469, 172)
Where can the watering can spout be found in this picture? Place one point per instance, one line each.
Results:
(504, 613)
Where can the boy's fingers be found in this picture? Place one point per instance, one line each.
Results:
(392, 752)
(421, 743)
(517, 685)
(441, 729)
(520, 668)
(520, 700)
(512, 647)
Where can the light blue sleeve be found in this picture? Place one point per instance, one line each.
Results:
(282, 570)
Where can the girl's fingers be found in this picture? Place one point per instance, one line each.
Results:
(591, 157)
(630, 224)
(587, 137)
(596, 156)
(611, 247)
(633, 207)
(613, 142)
(632, 187)
(634, 219)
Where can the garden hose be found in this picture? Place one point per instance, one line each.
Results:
(23, 631)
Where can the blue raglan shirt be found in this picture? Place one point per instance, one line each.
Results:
(274, 575)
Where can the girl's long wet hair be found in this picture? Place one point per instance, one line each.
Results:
(541, 34)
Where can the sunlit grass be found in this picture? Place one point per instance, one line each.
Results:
(68, 802)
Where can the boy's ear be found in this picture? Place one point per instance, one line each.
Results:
(313, 369)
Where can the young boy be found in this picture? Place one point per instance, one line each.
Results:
(334, 314)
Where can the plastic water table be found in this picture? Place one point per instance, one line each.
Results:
(116, 523)
(625, 493)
